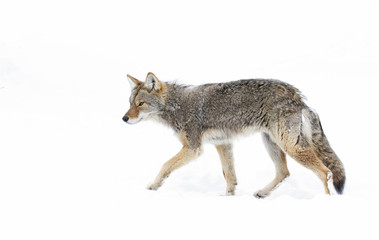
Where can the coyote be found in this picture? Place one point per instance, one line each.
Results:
(218, 112)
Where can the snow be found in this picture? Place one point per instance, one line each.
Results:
(70, 168)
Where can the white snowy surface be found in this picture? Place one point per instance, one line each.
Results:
(71, 169)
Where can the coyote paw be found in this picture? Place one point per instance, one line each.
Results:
(230, 192)
(260, 194)
(153, 187)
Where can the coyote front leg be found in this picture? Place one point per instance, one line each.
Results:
(184, 156)
(227, 162)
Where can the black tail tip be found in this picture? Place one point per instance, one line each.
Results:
(339, 185)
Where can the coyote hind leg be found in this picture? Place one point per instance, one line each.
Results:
(308, 159)
(280, 162)
(293, 136)
(226, 157)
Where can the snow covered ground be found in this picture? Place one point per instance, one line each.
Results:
(71, 169)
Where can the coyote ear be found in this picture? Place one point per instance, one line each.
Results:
(133, 81)
(152, 82)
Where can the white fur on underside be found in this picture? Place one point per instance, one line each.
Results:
(220, 137)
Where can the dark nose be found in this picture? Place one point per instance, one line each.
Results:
(125, 118)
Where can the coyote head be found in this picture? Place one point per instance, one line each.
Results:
(146, 99)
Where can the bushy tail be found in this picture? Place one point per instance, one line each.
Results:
(313, 130)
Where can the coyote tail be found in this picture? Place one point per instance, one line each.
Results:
(314, 133)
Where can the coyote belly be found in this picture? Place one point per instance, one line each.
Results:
(217, 113)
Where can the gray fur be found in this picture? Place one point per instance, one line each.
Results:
(230, 106)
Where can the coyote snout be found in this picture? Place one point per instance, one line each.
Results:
(125, 119)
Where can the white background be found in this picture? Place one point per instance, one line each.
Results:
(71, 169)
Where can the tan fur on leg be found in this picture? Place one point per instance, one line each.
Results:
(227, 162)
(181, 158)
(308, 159)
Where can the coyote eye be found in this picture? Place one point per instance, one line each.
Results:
(140, 104)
